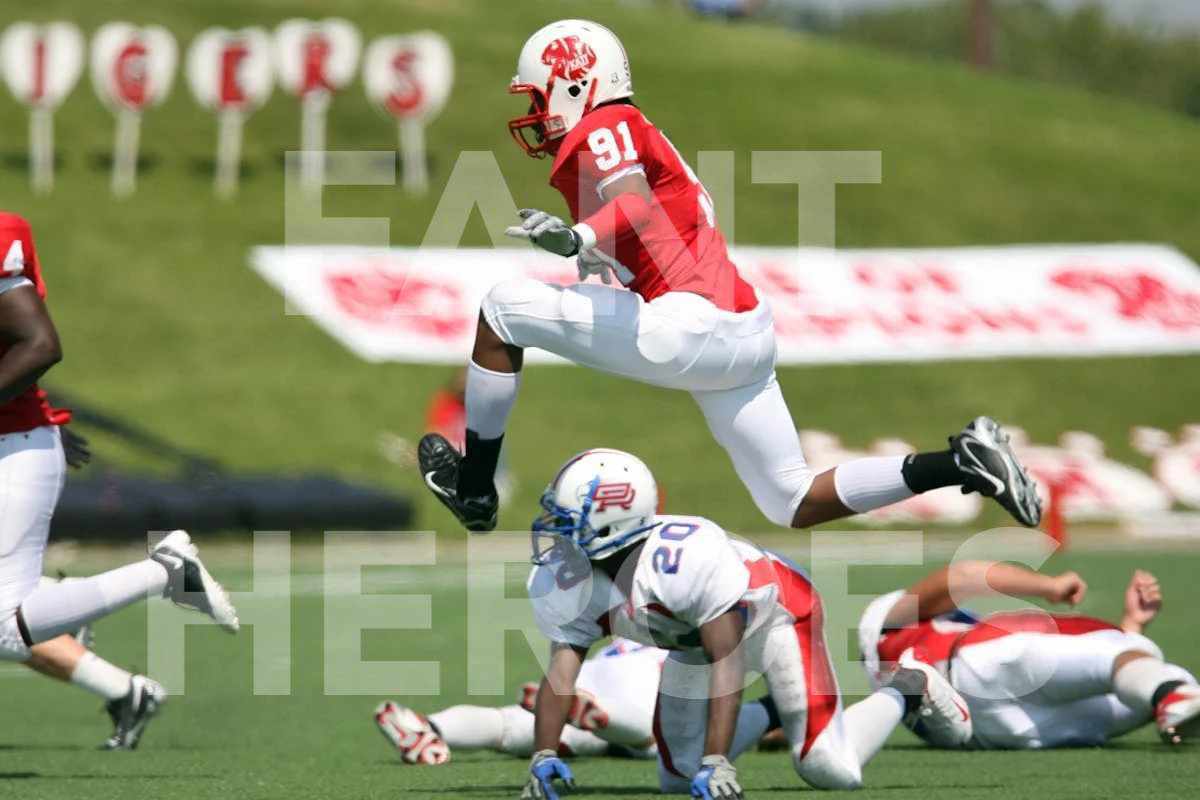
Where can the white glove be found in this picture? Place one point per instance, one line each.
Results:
(547, 232)
(716, 780)
(593, 262)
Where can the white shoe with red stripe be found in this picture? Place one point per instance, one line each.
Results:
(943, 717)
(411, 734)
(586, 713)
(1178, 715)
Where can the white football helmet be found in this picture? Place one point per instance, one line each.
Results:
(601, 500)
(567, 68)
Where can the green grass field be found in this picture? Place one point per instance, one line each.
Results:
(221, 741)
(164, 322)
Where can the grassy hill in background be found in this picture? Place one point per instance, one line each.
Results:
(164, 322)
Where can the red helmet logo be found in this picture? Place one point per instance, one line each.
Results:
(569, 58)
(617, 495)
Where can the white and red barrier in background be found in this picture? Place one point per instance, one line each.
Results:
(230, 73)
(830, 306)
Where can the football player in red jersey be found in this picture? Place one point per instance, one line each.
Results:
(683, 319)
(1033, 679)
(32, 466)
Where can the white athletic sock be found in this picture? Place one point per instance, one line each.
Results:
(100, 677)
(871, 721)
(869, 483)
(752, 723)
(474, 727)
(59, 608)
(490, 397)
(1136, 682)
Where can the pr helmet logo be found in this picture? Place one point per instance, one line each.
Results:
(614, 495)
(569, 58)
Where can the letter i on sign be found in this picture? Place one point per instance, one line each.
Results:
(41, 65)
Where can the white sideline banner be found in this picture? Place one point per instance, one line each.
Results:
(830, 306)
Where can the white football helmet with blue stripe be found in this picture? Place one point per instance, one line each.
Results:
(601, 500)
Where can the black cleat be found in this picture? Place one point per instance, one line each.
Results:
(440, 463)
(133, 712)
(990, 467)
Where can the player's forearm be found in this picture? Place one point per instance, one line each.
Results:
(24, 362)
(1016, 581)
(725, 700)
(550, 716)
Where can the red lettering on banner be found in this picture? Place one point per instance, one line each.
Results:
(918, 278)
(1138, 295)
(778, 279)
(619, 495)
(129, 74)
(389, 299)
(408, 95)
(316, 53)
(39, 70)
(232, 56)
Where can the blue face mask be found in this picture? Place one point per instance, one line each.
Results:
(559, 527)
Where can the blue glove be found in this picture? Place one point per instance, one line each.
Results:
(716, 780)
(544, 769)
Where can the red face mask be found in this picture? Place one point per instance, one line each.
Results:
(537, 132)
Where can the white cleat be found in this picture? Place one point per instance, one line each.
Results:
(415, 740)
(189, 585)
(943, 718)
(1178, 715)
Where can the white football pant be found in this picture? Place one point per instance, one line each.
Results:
(32, 469)
(678, 341)
(829, 745)
(1035, 690)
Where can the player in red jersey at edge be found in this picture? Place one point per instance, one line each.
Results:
(36, 614)
(682, 319)
(1033, 679)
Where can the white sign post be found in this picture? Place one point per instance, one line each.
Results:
(231, 73)
(314, 60)
(132, 70)
(409, 78)
(41, 65)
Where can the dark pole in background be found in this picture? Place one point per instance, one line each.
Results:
(982, 31)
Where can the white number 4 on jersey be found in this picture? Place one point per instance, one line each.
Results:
(14, 262)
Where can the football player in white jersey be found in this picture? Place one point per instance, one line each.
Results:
(683, 318)
(612, 713)
(1033, 679)
(608, 564)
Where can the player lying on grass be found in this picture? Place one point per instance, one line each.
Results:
(130, 700)
(32, 467)
(1034, 679)
(612, 714)
(684, 318)
(608, 564)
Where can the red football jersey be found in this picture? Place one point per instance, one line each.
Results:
(680, 249)
(18, 259)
